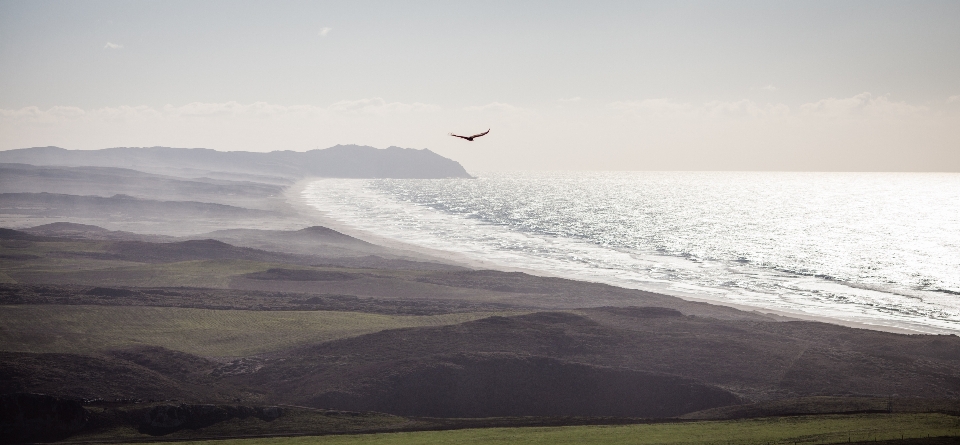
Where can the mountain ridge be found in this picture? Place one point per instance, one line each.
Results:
(339, 161)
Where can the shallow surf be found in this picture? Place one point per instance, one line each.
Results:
(875, 249)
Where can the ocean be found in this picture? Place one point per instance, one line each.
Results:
(880, 249)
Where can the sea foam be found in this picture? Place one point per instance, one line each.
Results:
(879, 249)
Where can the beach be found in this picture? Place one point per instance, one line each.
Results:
(770, 290)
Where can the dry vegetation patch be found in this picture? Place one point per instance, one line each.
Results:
(204, 332)
(778, 430)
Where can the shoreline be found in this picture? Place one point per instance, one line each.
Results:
(294, 197)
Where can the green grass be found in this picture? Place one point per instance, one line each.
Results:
(62, 262)
(54, 258)
(65, 263)
(205, 332)
(216, 274)
(201, 273)
(781, 430)
(57, 264)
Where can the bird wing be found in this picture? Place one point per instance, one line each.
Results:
(457, 135)
(481, 134)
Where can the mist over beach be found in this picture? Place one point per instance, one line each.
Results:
(424, 222)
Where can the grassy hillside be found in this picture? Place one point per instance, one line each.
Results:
(200, 273)
(29, 259)
(203, 332)
(756, 360)
(781, 430)
(414, 342)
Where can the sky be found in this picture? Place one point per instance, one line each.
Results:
(815, 86)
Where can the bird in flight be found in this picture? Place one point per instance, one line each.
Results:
(470, 138)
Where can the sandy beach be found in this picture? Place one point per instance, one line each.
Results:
(294, 195)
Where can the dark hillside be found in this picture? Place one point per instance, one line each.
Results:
(495, 385)
(24, 237)
(314, 234)
(91, 232)
(228, 299)
(316, 240)
(649, 362)
(111, 378)
(666, 358)
(568, 294)
(144, 252)
(756, 360)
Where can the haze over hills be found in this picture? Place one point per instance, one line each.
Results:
(340, 161)
(179, 191)
(118, 206)
(110, 181)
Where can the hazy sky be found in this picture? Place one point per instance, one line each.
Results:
(564, 85)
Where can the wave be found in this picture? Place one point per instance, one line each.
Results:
(685, 235)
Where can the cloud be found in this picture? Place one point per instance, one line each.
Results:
(235, 109)
(111, 45)
(652, 106)
(324, 31)
(859, 106)
(377, 105)
(36, 115)
(496, 107)
(953, 99)
(863, 104)
(572, 99)
(744, 108)
(769, 88)
(668, 108)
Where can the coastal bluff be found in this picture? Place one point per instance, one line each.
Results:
(340, 161)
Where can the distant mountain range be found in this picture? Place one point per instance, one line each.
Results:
(341, 161)
(109, 181)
